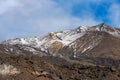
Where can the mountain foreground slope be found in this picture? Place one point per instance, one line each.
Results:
(84, 53)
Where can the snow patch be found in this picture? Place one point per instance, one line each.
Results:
(83, 28)
(31, 50)
(11, 49)
(89, 47)
(6, 49)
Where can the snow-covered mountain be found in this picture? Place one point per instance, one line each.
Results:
(69, 43)
(84, 53)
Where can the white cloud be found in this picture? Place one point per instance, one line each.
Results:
(35, 17)
(114, 14)
(7, 5)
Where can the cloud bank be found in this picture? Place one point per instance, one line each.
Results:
(25, 18)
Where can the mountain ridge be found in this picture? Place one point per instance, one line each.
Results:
(83, 53)
(76, 43)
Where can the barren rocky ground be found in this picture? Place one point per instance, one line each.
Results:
(54, 68)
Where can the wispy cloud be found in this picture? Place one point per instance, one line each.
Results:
(114, 14)
(21, 18)
(35, 17)
(7, 5)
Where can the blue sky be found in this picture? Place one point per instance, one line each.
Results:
(27, 18)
